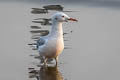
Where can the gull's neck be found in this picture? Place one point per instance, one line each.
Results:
(56, 29)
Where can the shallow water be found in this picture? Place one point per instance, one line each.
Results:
(94, 45)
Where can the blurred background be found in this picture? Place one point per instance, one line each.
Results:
(93, 43)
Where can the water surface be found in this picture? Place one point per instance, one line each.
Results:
(94, 43)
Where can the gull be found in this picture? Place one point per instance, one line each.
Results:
(52, 45)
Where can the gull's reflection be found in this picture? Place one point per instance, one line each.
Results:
(46, 73)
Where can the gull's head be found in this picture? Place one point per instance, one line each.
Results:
(61, 17)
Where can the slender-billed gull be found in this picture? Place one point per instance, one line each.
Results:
(52, 45)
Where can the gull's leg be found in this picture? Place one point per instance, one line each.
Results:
(41, 59)
(56, 59)
(45, 61)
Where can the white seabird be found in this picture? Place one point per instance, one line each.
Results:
(52, 45)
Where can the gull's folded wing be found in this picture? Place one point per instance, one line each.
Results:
(40, 42)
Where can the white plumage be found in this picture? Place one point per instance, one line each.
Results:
(52, 45)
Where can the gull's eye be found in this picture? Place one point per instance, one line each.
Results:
(63, 16)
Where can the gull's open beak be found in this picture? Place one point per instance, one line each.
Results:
(71, 19)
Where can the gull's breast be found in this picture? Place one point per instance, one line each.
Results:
(54, 47)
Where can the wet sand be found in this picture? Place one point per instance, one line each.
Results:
(94, 43)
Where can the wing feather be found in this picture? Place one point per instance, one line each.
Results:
(40, 42)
